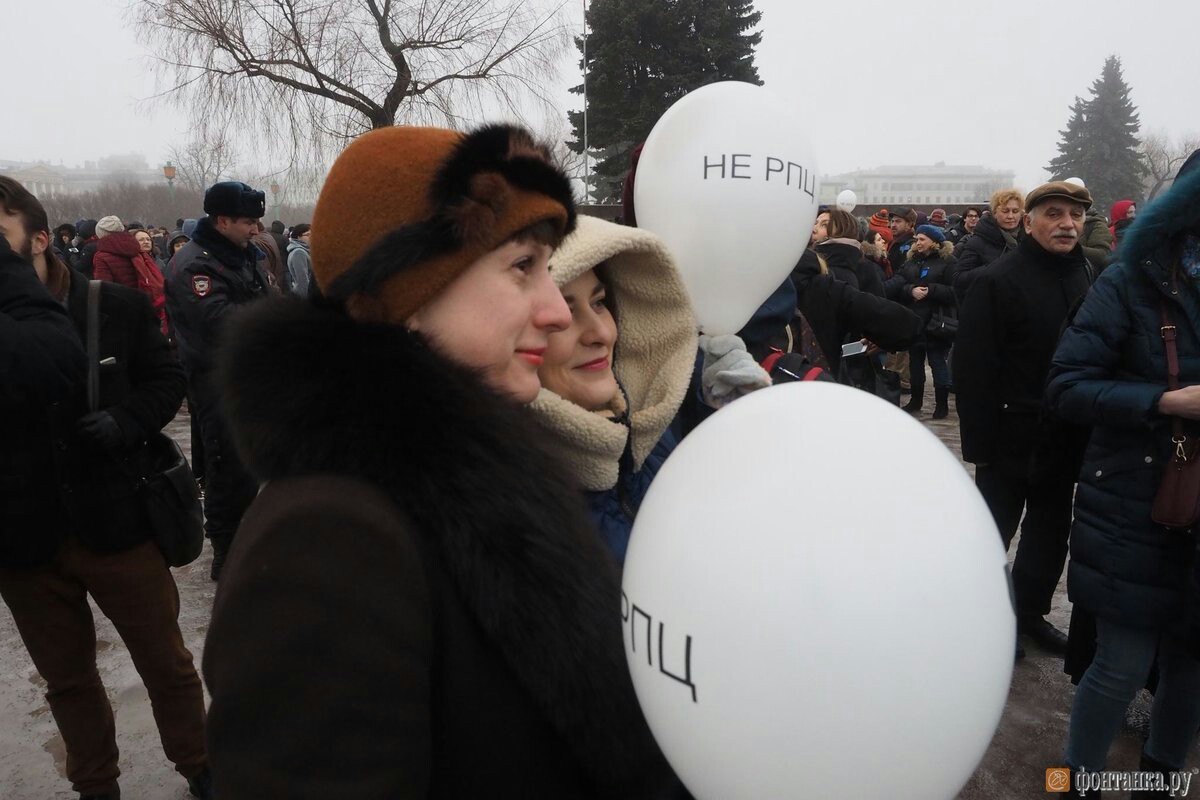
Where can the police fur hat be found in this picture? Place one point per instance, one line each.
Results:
(234, 199)
(405, 210)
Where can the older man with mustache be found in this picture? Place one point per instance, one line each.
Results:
(1010, 326)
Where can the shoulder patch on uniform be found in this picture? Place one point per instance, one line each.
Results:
(201, 285)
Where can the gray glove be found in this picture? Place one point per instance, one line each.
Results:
(729, 371)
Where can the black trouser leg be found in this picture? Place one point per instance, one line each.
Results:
(1042, 551)
(198, 465)
(1004, 488)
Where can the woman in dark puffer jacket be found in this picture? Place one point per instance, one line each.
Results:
(1127, 571)
(926, 282)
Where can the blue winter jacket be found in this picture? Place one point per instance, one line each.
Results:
(614, 510)
(1109, 371)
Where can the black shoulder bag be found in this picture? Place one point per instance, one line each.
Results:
(167, 488)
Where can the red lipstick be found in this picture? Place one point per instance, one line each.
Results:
(595, 366)
(534, 356)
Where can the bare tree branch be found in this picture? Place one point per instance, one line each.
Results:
(1163, 158)
(203, 162)
(308, 74)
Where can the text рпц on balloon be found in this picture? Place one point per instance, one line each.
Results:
(629, 614)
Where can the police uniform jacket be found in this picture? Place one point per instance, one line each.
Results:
(208, 278)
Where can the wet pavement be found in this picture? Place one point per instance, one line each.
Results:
(1033, 731)
(32, 762)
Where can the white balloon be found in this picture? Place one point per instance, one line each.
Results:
(847, 200)
(816, 604)
(728, 179)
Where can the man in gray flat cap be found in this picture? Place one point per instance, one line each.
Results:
(1011, 321)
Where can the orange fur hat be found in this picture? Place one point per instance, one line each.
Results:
(405, 210)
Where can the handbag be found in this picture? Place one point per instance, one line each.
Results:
(941, 327)
(166, 487)
(1177, 502)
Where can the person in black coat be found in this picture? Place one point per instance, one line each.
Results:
(842, 251)
(1010, 326)
(87, 244)
(925, 285)
(210, 276)
(1132, 574)
(902, 222)
(40, 353)
(995, 234)
(837, 312)
(64, 244)
(73, 524)
(416, 605)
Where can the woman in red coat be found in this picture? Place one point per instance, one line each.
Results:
(115, 252)
(150, 277)
(121, 259)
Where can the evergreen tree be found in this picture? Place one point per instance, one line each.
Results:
(1071, 158)
(1100, 144)
(642, 56)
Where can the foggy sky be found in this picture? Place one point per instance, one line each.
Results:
(882, 83)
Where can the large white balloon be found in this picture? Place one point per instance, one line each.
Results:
(847, 200)
(728, 179)
(816, 604)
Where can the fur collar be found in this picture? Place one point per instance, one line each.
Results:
(1164, 220)
(308, 391)
(944, 251)
(654, 356)
(225, 251)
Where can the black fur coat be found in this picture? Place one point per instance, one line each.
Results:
(415, 605)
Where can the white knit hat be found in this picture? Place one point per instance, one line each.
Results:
(109, 225)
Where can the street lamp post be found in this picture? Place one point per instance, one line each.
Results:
(275, 196)
(169, 174)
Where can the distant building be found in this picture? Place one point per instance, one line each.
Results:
(49, 180)
(937, 185)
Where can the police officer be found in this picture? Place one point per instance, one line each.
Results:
(213, 274)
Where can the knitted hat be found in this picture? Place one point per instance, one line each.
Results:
(107, 225)
(879, 221)
(410, 208)
(938, 217)
(933, 232)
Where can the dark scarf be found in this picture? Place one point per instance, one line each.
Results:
(225, 251)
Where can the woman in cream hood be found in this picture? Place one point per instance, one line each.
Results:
(614, 380)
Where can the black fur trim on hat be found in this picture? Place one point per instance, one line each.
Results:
(468, 193)
(399, 250)
(508, 151)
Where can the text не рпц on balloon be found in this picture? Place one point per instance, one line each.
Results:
(738, 166)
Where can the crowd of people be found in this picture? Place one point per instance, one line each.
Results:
(425, 424)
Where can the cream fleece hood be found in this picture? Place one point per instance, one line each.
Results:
(653, 358)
